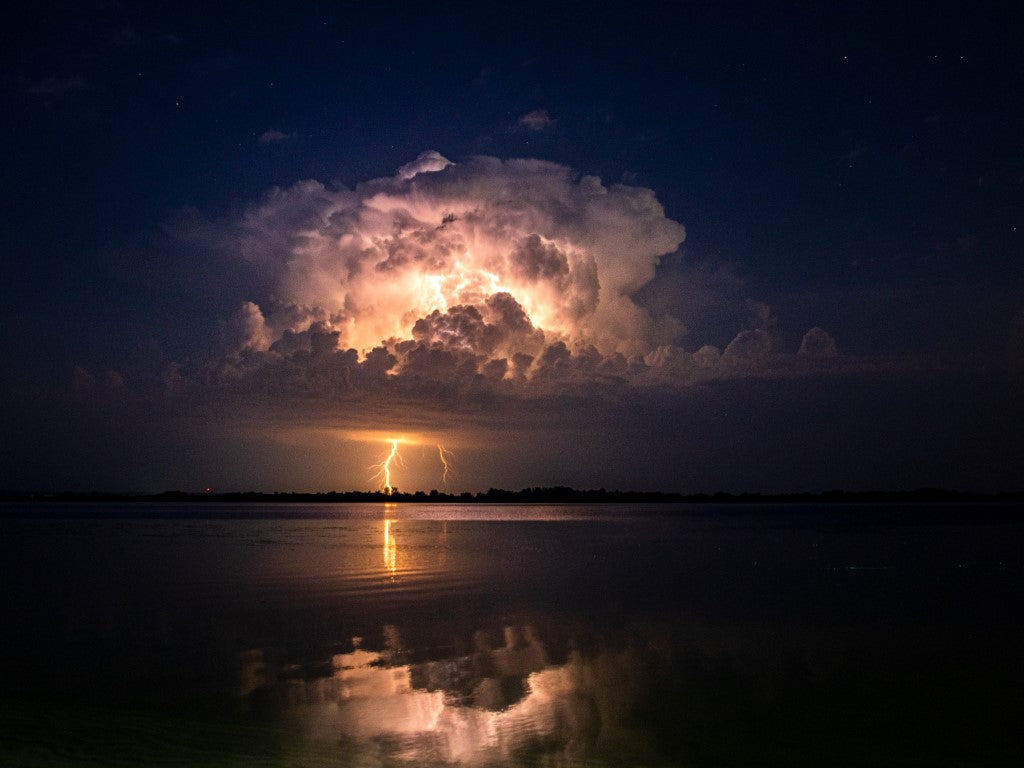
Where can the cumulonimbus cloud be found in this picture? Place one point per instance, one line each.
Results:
(514, 274)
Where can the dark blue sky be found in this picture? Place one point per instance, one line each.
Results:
(858, 168)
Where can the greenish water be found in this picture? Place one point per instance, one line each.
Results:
(544, 635)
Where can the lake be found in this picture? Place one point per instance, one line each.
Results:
(478, 635)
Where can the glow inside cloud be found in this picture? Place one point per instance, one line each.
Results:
(489, 260)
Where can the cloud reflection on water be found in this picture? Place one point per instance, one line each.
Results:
(497, 703)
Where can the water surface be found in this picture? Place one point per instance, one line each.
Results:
(510, 635)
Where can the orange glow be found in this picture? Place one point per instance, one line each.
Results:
(382, 436)
(467, 268)
(386, 462)
(395, 304)
(390, 549)
(372, 697)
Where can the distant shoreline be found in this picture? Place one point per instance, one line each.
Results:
(551, 495)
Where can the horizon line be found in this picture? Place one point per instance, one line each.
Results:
(535, 494)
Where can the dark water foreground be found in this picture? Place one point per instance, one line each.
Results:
(372, 635)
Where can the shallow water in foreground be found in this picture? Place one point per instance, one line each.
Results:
(284, 635)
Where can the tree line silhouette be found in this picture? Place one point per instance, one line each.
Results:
(549, 495)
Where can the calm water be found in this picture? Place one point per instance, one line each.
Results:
(372, 635)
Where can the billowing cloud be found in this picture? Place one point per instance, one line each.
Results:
(817, 344)
(454, 283)
(454, 268)
(748, 348)
(247, 329)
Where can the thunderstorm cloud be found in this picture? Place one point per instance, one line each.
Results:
(450, 283)
(546, 326)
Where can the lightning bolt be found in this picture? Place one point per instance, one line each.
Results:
(446, 456)
(384, 468)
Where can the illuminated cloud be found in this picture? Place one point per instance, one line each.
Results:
(426, 162)
(537, 120)
(749, 348)
(453, 285)
(817, 344)
(707, 356)
(454, 269)
(247, 329)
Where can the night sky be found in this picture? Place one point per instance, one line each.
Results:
(730, 246)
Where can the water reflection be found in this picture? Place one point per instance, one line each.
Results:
(390, 549)
(496, 703)
(650, 641)
(421, 543)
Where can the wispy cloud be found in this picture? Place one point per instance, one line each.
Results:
(57, 86)
(273, 136)
(536, 120)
